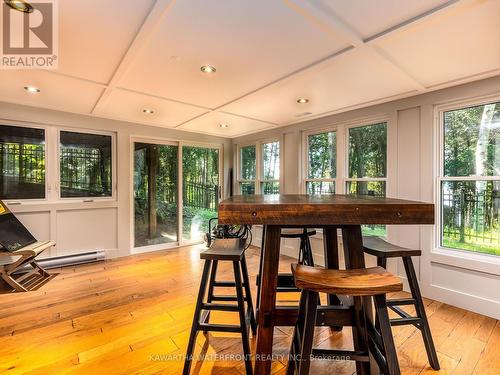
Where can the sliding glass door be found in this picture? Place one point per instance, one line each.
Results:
(159, 216)
(155, 194)
(200, 192)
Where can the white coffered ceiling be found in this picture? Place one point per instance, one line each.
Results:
(118, 59)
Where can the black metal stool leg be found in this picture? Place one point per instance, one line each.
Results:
(243, 324)
(211, 286)
(196, 318)
(420, 309)
(295, 346)
(382, 262)
(391, 358)
(308, 332)
(248, 295)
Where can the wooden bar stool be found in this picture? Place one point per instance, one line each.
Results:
(231, 250)
(361, 284)
(305, 256)
(383, 250)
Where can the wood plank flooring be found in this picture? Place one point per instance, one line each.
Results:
(132, 316)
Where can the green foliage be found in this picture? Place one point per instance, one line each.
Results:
(271, 161)
(368, 151)
(371, 188)
(248, 162)
(470, 209)
(322, 158)
(462, 137)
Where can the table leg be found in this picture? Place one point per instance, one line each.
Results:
(331, 252)
(354, 258)
(269, 281)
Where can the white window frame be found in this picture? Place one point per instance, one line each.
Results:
(114, 174)
(239, 179)
(180, 185)
(305, 162)
(260, 178)
(259, 162)
(362, 124)
(457, 257)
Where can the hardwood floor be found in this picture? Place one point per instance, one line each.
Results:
(132, 316)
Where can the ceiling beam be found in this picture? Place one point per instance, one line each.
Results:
(146, 31)
(328, 21)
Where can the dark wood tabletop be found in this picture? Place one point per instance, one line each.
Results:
(329, 212)
(322, 210)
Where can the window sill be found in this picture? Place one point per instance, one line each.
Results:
(467, 260)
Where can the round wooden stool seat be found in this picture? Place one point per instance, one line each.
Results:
(296, 232)
(382, 249)
(354, 282)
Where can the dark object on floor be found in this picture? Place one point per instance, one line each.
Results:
(227, 231)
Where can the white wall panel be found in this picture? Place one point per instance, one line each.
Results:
(86, 230)
(38, 223)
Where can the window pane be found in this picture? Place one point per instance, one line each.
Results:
(270, 188)
(472, 141)
(320, 187)
(470, 211)
(22, 163)
(155, 194)
(322, 155)
(85, 165)
(368, 151)
(200, 195)
(248, 163)
(271, 161)
(371, 188)
(247, 188)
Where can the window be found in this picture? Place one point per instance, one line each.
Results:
(248, 171)
(259, 168)
(22, 163)
(200, 189)
(470, 179)
(367, 165)
(321, 163)
(85, 165)
(155, 194)
(270, 183)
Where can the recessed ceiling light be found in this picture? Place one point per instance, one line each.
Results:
(148, 111)
(223, 125)
(32, 89)
(20, 5)
(208, 69)
(302, 100)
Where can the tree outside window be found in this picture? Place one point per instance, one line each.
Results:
(321, 163)
(248, 172)
(367, 166)
(85, 165)
(22, 162)
(470, 179)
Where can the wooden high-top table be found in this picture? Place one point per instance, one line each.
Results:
(327, 212)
